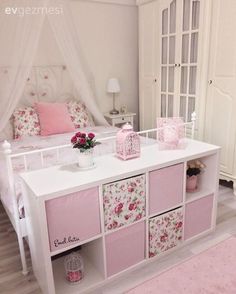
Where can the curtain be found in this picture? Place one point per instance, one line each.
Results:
(19, 37)
(68, 41)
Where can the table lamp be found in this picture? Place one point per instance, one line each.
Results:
(113, 87)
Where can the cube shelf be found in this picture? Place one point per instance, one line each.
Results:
(206, 179)
(92, 254)
(120, 214)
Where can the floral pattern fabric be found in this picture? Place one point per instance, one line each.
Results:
(124, 202)
(26, 122)
(165, 231)
(79, 114)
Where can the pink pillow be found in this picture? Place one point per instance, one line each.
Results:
(54, 118)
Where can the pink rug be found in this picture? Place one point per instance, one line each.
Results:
(210, 272)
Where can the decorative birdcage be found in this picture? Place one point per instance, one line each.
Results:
(127, 143)
(74, 268)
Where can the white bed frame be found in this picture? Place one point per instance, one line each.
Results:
(18, 223)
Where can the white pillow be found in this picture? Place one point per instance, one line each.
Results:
(79, 114)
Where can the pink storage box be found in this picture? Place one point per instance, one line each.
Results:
(198, 216)
(73, 218)
(125, 248)
(165, 231)
(165, 188)
(124, 202)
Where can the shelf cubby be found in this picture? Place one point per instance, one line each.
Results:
(206, 179)
(93, 269)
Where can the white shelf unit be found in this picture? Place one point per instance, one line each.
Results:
(98, 251)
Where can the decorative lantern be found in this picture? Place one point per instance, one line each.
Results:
(171, 133)
(127, 143)
(74, 267)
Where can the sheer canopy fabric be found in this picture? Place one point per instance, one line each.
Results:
(19, 38)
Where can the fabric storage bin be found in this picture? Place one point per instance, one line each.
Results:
(73, 218)
(198, 216)
(165, 188)
(165, 231)
(125, 248)
(123, 202)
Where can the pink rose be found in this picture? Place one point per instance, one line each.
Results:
(163, 238)
(179, 225)
(118, 208)
(91, 136)
(83, 135)
(78, 134)
(132, 206)
(82, 141)
(73, 140)
(138, 216)
(114, 225)
(130, 189)
(151, 254)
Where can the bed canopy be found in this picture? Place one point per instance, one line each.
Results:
(21, 23)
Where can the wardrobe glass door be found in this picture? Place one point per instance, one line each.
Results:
(168, 55)
(189, 58)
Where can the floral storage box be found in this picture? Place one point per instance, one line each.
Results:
(165, 231)
(124, 202)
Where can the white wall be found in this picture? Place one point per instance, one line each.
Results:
(109, 39)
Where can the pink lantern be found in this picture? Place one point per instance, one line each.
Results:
(127, 143)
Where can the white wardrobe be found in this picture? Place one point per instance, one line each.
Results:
(187, 62)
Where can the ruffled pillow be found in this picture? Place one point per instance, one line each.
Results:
(79, 114)
(25, 122)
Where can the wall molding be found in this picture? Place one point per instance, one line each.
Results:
(114, 2)
(140, 2)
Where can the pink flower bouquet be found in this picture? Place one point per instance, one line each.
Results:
(84, 141)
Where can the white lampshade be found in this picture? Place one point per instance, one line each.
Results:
(113, 86)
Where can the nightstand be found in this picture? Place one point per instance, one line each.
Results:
(121, 118)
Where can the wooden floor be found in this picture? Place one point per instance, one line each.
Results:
(11, 279)
(13, 282)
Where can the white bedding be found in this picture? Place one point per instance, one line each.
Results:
(67, 155)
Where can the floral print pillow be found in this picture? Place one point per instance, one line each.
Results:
(79, 114)
(25, 122)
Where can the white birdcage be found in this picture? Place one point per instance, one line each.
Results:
(74, 267)
(127, 143)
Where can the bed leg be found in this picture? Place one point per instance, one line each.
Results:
(22, 256)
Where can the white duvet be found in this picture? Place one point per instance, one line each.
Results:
(66, 156)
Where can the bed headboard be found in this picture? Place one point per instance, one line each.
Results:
(45, 83)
